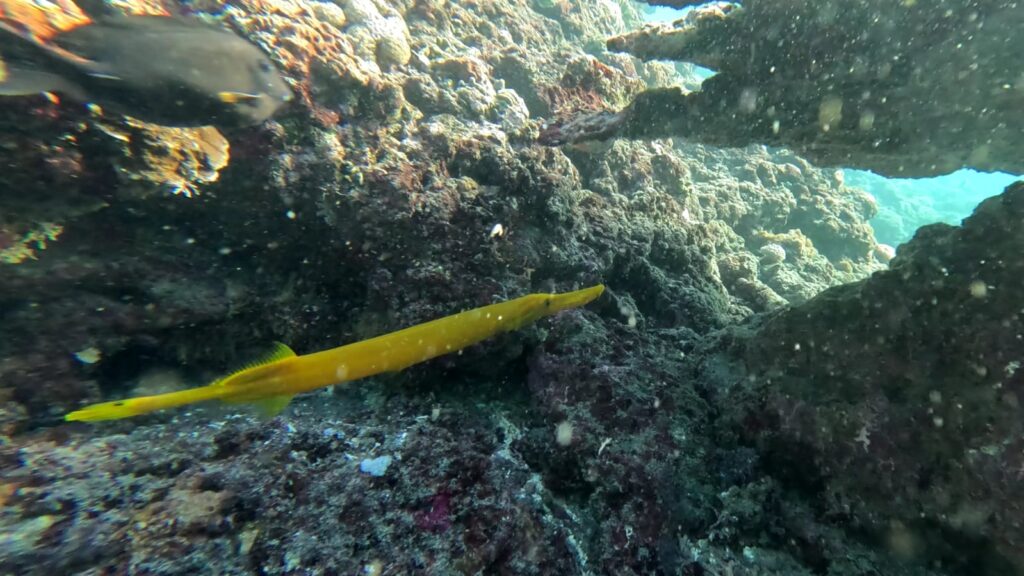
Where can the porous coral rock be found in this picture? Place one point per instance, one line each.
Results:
(744, 201)
(378, 32)
(329, 76)
(371, 205)
(180, 160)
(900, 88)
(395, 169)
(772, 253)
(15, 248)
(509, 111)
(894, 401)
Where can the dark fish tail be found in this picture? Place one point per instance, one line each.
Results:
(37, 68)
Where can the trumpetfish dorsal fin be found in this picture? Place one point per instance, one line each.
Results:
(278, 351)
(272, 405)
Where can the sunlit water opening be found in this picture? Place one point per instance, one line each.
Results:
(656, 14)
(906, 204)
(663, 14)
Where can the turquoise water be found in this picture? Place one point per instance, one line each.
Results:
(655, 14)
(905, 204)
(663, 14)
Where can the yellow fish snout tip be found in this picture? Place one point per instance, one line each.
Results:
(576, 298)
(102, 411)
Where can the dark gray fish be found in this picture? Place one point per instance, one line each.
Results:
(167, 70)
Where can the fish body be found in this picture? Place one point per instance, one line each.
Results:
(274, 380)
(166, 70)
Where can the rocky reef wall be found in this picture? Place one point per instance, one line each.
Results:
(404, 184)
(896, 399)
(371, 203)
(904, 89)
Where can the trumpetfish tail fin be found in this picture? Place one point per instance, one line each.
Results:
(129, 407)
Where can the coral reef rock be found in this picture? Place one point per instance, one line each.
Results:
(404, 184)
(901, 88)
(895, 401)
(368, 204)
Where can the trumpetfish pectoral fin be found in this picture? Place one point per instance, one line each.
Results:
(270, 407)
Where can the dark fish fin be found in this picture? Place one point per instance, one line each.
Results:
(15, 36)
(156, 22)
(16, 81)
(97, 9)
(50, 52)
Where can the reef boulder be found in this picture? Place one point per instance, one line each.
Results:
(896, 400)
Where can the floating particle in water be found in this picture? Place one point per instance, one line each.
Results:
(90, 355)
(830, 112)
(563, 433)
(866, 121)
(978, 289)
(748, 100)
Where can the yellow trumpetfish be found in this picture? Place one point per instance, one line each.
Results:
(272, 381)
